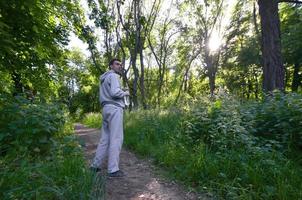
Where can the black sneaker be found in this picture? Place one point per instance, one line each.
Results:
(94, 169)
(117, 174)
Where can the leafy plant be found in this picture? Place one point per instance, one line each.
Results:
(40, 158)
(61, 174)
(26, 125)
(215, 147)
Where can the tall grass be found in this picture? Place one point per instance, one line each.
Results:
(60, 175)
(230, 148)
(92, 120)
(210, 146)
(40, 156)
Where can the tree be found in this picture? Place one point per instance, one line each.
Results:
(100, 16)
(291, 30)
(273, 68)
(34, 35)
(207, 15)
(161, 47)
(136, 25)
(241, 63)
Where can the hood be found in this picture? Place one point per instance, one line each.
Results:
(103, 76)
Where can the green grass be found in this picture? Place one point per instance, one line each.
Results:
(59, 175)
(92, 120)
(40, 158)
(232, 149)
(232, 173)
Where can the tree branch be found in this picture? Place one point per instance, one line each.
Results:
(290, 1)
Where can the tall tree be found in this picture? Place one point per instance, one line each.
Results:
(161, 47)
(273, 68)
(291, 29)
(136, 24)
(207, 16)
(100, 15)
(34, 35)
(241, 67)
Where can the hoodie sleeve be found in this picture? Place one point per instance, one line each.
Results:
(115, 87)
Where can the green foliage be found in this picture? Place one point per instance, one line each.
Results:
(211, 146)
(151, 129)
(33, 34)
(79, 84)
(6, 83)
(61, 174)
(219, 125)
(290, 16)
(40, 158)
(278, 117)
(28, 126)
(242, 64)
(92, 120)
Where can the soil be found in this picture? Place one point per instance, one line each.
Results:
(143, 181)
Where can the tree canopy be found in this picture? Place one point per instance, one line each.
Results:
(170, 49)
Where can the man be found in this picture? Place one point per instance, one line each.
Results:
(112, 101)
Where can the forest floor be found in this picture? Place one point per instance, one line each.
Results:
(143, 181)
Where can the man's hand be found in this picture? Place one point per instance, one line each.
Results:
(127, 93)
(126, 90)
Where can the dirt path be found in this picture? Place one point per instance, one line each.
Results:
(140, 182)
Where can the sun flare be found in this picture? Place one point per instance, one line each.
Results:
(214, 43)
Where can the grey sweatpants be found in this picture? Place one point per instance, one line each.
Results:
(111, 138)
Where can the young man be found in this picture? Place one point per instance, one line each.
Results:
(112, 101)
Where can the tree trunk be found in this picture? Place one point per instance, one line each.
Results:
(296, 78)
(212, 84)
(108, 53)
(160, 84)
(273, 69)
(17, 82)
(209, 61)
(141, 55)
(142, 78)
(135, 80)
(133, 55)
(93, 56)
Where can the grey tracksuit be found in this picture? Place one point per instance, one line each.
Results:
(111, 98)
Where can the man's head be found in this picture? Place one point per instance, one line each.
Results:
(116, 65)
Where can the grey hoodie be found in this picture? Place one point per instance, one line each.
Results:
(110, 89)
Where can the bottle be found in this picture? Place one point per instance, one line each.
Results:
(127, 98)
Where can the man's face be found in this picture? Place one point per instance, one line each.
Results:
(117, 66)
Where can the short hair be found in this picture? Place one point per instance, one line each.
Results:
(113, 60)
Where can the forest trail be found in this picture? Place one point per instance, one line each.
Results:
(140, 182)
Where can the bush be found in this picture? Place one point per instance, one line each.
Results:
(219, 125)
(211, 146)
(28, 126)
(59, 175)
(279, 117)
(40, 158)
